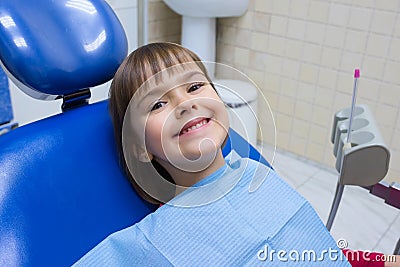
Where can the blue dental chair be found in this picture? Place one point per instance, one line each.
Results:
(61, 188)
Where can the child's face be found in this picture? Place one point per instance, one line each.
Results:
(182, 118)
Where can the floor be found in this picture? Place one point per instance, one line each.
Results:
(363, 220)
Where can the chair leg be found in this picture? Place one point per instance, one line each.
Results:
(335, 205)
(397, 248)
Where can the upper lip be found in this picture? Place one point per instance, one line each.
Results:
(192, 123)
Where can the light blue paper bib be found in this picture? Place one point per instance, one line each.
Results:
(271, 226)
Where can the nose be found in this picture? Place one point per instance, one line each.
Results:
(184, 105)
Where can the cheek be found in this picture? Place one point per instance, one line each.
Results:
(222, 112)
(152, 135)
(157, 136)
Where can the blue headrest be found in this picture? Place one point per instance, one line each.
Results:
(60, 47)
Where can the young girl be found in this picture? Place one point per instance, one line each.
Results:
(170, 125)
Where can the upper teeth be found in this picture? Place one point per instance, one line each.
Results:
(198, 125)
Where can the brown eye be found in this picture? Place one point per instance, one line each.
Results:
(158, 105)
(195, 87)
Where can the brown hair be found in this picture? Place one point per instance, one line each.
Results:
(138, 67)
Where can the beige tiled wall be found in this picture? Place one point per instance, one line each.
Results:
(164, 24)
(302, 54)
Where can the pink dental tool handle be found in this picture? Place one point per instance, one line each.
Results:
(353, 104)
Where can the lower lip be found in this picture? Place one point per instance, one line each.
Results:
(196, 130)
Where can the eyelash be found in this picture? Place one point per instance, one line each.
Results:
(199, 84)
(191, 87)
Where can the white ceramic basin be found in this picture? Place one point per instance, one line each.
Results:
(208, 8)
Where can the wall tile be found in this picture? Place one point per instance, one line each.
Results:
(396, 143)
(299, 9)
(315, 32)
(281, 7)
(318, 11)
(271, 63)
(386, 132)
(256, 76)
(334, 36)
(321, 116)
(306, 92)
(397, 27)
(315, 151)
(331, 57)
(386, 115)
(270, 97)
(394, 51)
(226, 53)
(345, 82)
(296, 29)
(242, 56)
(350, 61)
(283, 123)
(277, 45)
(341, 100)
(245, 21)
(261, 22)
(278, 25)
(389, 94)
(368, 88)
(291, 68)
(360, 18)
(327, 78)
(298, 145)
(339, 14)
(229, 33)
(263, 6)
(282, 140)
(378, 45)
(388, 5)
(301, 128)
(230, 21)
(288, 87)
(243, 34)
(312, 53)
(294, 49)
(383, 22)
(308, 73)
(259, 61)
(259, 41)
(364, 3)
(355, 41)
(391, 73)
(319, 135)
(286, 105)
(324, 97)
(373, 67)
(303, 111)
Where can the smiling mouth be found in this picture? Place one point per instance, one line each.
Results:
(193, 125)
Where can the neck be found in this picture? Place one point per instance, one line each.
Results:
(187, 179)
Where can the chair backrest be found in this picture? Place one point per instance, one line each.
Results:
(61, 188)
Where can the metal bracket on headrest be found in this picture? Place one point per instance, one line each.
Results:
(76, 99)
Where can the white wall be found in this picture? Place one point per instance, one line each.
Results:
(26, 109)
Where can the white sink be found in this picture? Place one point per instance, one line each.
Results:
(208, 8)
(199, 23)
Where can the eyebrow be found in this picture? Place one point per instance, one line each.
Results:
(156, 90)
